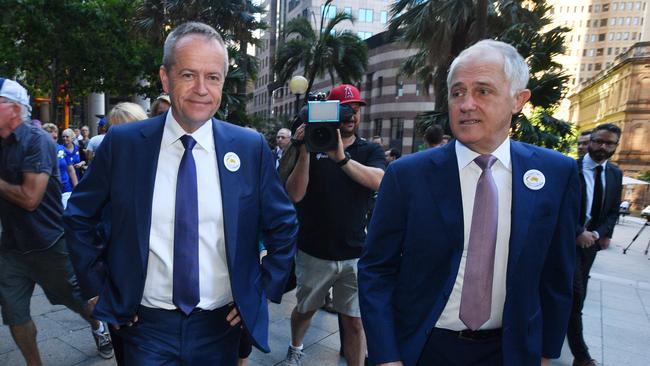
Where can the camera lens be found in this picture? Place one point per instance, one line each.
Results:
(321, 136)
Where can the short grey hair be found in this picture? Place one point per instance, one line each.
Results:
(187, 29)
(514, 66)
(25, 113)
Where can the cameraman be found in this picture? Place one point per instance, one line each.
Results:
(333, 192)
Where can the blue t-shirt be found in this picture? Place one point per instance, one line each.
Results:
(30, 150)
(63, 168)
(73, 157)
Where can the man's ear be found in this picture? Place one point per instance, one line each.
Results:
(164, 78)
(521, 98)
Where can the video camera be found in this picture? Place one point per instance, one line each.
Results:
(323, 118)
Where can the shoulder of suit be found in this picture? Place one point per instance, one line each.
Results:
(544, 153)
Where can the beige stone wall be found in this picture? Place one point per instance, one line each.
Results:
(621, 96)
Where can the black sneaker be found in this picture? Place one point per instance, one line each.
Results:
(103, 342)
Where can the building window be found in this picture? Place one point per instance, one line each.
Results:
(635, 21)
(603, 22)
(582, 67)
(611, 36)
(589, 67)
(638, 5)
(605, 7)
(609, 51)
(399, 87)
(365, 15)
(601, 37)
(588, 22)
(599, 52)
(628, 20)
(380, 86)
(584, 53)
(612, 21)
(347, 10)
(618, 36)
(331, 11)
(594, 37)
(597, 8)
(383, 17)
(377, 126)
(364, 35)
(396, 132)
(617, 51)
(621, 20)
(630, 5)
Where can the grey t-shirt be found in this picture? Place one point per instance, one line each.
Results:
(94, 143)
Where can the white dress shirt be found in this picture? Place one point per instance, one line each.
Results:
(469, 174)
(214, 281)
(588, 168)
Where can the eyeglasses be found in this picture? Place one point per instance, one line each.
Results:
(604, 142)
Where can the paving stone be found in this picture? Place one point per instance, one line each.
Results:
(68, 319)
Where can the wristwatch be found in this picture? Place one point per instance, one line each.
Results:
(345, 159)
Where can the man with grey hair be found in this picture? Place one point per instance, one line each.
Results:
(33, 249)
(179, 274)
(282, 140)
(470, 251)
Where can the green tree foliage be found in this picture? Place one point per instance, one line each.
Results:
(71, 47)
(441, 29)
(321, 52)
(644, 175)
(235, 20)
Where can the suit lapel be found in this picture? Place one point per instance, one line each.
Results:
(229, 182)
(445, 182)
(523, 200)
(146, 163)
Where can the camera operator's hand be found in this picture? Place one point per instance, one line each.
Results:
(337, 154)
(299, 135)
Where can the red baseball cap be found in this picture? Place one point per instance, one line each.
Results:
(346, 93)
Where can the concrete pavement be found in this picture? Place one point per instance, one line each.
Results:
(616, 317)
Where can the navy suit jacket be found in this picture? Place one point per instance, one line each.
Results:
(121, 180)
(415, 242)
(611, 203)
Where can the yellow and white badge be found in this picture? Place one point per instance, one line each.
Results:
(534, 179)
(231, 161)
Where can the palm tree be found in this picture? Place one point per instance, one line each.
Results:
(323, 51)
(441, 29)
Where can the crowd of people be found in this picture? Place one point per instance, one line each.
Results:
(171, 231)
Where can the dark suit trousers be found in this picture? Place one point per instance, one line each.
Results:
(584, 260)
(444, 347)
(168, 337)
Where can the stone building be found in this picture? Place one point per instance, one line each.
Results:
(621, 95)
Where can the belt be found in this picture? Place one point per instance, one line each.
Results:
(475, 335)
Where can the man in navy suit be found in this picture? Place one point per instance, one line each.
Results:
(179, 274)
(470, 252)
(601, 185)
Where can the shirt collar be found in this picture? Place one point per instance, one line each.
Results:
(174, 131)
(465, 155)
(590, 164)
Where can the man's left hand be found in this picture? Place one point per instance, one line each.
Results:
(233, 317)
(546, 362)
(337, 154)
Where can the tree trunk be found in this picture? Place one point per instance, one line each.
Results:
(481, 20)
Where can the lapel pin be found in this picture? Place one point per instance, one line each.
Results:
(534, 179)
(231, 161)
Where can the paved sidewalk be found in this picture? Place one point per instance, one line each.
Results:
(617, 319)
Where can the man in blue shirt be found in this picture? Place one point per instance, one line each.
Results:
(32, 249)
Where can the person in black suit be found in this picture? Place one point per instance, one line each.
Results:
(601, 184)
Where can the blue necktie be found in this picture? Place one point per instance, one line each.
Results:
(186, 233)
